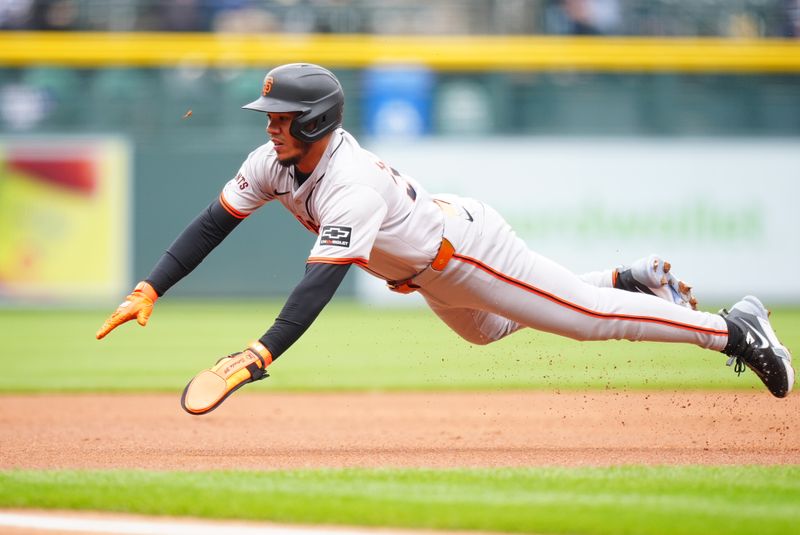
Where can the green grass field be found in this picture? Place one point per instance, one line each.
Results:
(648, 501)
(352, 347)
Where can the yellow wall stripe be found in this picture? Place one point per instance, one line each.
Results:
(493, 53)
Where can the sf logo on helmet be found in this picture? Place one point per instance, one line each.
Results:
(267, 86)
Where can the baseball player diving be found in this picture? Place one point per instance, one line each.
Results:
(458, 253)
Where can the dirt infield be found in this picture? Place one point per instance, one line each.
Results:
(277, 431)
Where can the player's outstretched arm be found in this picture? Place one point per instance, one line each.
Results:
(138, 305)
(191, 246)
(209, 388)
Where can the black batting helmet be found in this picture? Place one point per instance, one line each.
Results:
(306, 88)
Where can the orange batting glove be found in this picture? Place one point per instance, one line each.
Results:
(139, 305)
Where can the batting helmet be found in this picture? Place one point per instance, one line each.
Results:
(309, 89)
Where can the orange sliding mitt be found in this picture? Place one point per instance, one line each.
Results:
(212, 386)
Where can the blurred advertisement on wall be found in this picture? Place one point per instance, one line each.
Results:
(723, 211)
(64, 219)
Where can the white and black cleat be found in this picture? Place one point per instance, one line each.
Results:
(652, 275)
(759, 347)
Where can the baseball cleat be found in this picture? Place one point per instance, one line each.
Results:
(653, 275)
(210, 387)
(760, 349)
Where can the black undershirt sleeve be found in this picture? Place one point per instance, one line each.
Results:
(191, 246)
(303, 305)
(207, 231)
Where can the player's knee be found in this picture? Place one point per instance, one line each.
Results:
(489, 332)
(478, 339)
(485, 337)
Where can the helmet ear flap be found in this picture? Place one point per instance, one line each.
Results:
(310, 129)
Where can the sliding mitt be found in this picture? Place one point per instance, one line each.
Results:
(210, 387)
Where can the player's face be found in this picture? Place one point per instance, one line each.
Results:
(290, 151)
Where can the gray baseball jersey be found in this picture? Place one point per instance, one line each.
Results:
(365, 212)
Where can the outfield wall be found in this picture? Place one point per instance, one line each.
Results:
(723, 211)
(138, 87)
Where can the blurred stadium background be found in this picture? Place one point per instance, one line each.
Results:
(603, 129)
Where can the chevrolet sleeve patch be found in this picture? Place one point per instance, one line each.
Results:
(335, 235)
